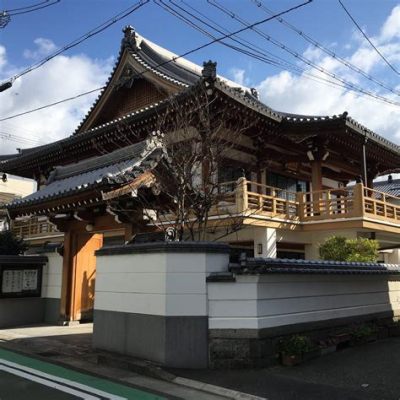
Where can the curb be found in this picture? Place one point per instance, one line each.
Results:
(218, 390)
(154, 371)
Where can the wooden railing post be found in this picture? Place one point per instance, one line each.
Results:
(273, 194)
(300, 205)
(359, 203)
(241, 195)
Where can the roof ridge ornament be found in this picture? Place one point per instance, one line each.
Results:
(209, 75)
(209, 71)
(129, 39)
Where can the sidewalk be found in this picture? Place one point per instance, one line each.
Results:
(70, 346)
(367, 372)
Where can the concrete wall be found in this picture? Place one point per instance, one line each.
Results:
(151, 300)
(51, 287)
(267, 302)
(15, 311)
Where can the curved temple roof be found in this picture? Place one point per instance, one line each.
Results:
(118, 167)
(184, 75)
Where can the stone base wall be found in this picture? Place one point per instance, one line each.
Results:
(234, 349)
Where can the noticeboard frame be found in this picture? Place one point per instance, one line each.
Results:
(23, 293)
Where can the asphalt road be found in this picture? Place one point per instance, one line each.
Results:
(365, 372)
(23, 378)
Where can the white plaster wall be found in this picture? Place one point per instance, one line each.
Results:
(52, 276)
(257, 302)
(167, 284)
(18, 186)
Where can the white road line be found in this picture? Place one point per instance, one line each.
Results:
(45, 382)
(61, 381)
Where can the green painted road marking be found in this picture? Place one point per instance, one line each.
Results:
(60, 373)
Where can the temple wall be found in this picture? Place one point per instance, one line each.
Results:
(151, 301)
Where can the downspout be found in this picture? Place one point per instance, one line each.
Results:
(365, 161)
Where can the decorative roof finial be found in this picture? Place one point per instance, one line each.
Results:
(254, 92)
(129, 39)
(209, 71)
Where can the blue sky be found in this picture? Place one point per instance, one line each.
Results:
(29, 37)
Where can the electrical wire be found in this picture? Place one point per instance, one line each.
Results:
(282, 46)
(216, 40)
(100, 28)
(18, 139)
(23, 8)
(260, 55)
(368, 39)
(327, 51)
(12, 14)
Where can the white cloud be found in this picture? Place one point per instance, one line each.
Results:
(391, 28)
(60, 78)
(238, 76)
(44, 48)
(298, 94)
(3, 57)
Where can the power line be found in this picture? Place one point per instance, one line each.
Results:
(258, 55)
(368, 39)
(52, 104)
(100, 28)
(32, 8)
(24, 8)
(282, 46)
(216, 40)
(327, 51)
(17, 138)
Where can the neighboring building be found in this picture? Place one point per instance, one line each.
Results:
(11, 188)
(287, 173)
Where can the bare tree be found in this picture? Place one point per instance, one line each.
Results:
(199, 133)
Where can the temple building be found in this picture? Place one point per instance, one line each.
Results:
(282, 179)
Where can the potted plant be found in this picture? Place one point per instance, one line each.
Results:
(327, 346)
(292, 349)
(364, 334)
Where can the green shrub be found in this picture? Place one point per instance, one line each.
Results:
(10, 244)
(363, 331)
(338, 248)
(295, 345)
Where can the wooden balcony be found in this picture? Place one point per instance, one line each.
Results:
(34, 228)
(359, 202)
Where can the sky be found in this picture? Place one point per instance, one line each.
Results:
(30, 37)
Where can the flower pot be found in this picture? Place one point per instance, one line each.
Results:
(291, 360)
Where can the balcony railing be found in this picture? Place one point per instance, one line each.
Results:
(253, 198)
(33, 227)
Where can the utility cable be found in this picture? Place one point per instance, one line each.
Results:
(368, 39)
(326, 50)
(31, 8)
(260, 55)
(282, 46)
(100, 28)
(168, 61)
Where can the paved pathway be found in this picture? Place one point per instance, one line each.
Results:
(69, 352)
(23, 377)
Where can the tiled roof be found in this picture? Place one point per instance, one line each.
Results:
(390, 187)
(118, 167)
(350, 122)
(260, 266)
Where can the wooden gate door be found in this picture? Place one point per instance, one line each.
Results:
(83, 276)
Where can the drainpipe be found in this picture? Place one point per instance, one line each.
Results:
(365, 161)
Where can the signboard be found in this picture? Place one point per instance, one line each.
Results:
(20, 281)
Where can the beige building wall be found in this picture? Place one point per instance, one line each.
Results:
(19, 186)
